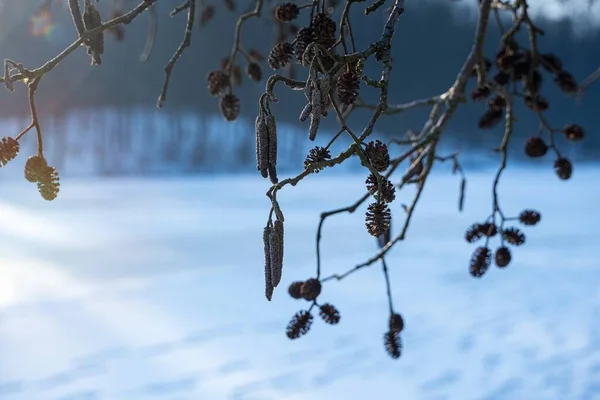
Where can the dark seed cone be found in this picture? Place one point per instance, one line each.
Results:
(491, 118)
(502, 257)
(304, 37)
(49, 184)
(286, 12)
(280, 55)
(254, 71)
(566, 82)
(573, 132)
(330, 314)
(497, 102)
(276, 250)
(311, 289)
(95, 43)
(521, 70)
(506, 60)
(34, 168)
(513, 236)
(480, 93)
(480, 261)
(551, 63)
(295, 288)
(317, 154)
(539, 102)
(530, 217)
(348, 86)
(502, 78)
(217, 82)
(474, 233)
(393, 344)
(230, 107)
(535, 147)
(396, 323)
(324, 30)
(378, 219)
(488, 229)
(268, 281)
(9, 149)
(388, 191)
(299, 325)
(377, 153)
(563, 168)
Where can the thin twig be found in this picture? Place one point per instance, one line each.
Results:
(388, 286)
(237, 35)
(185, 43)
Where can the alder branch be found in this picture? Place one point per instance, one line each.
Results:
(334, 67)
(51, 64)
(185, 43)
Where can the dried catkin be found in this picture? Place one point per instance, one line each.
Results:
(305, 112)
(268, 282)
(261, 136)
(324, 87)
(92, 20)
(276, 250)
(263, 144)
(315, 116)
(272, 137)
(257, 129)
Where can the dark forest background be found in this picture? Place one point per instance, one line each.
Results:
(431, 43)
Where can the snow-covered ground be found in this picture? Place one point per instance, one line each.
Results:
(127, 289)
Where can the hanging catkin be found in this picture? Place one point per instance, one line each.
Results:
(268, 281)
(262, 135)
(92, 20)
(315, 116)
(272, 139)
(276, 250)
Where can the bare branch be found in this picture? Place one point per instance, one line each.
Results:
(185, 43)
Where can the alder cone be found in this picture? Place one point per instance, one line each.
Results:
(535, 147)
(9, 149)
(35, 169)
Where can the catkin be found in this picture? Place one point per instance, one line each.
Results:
(263, 139)
(268, 281)
(272, 138)
(259, 127)
(324, 87)
(305, 112)
(315, 116)
(92, 20)
(276, 252)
